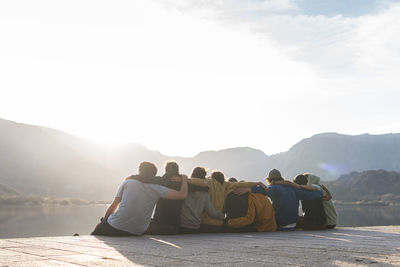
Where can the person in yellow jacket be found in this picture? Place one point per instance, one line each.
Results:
(260, 213)
(218, 190)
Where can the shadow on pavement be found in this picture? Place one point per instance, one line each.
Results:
(339, 247)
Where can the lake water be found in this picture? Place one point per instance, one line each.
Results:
(68, 220)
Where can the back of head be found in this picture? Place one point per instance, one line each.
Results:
(218, 176)
(232, 180)
(313, 179)
(147, 169)
(274, 175)
(300, 179)
(199, 172)
(171, 169)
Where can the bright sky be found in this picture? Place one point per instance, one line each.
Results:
(187, 76)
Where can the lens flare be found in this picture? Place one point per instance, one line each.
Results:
(333, 169)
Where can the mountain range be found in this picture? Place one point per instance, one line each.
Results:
(36, 160)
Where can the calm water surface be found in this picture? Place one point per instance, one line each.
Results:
(68, 220)
(49, 220)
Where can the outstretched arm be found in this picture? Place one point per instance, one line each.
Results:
(199, 182)
(233, 186)
(287, 183)
(258, 189)
(298, 186)
(211, 210)
(308, 187)
(113, 207)
(308, 195)
(182, 193)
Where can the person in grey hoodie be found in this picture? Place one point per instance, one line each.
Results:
(195, 204)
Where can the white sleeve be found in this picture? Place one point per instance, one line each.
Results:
(121, 189)
(160, 190)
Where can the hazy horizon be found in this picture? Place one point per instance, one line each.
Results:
(182, 77)
(121, 144)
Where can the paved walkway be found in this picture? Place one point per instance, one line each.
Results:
(368, 246)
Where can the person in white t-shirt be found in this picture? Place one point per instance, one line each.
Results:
(131, 210)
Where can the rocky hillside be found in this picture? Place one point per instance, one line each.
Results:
(377, 186)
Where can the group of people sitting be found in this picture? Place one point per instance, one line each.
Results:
(175, 204)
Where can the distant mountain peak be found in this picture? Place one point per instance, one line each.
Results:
(234, 150)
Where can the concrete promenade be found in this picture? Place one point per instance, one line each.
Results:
(364, 246)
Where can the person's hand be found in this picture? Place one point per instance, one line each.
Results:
(242, 190)
(184, 178)
(324, 195)
(177, 178)
(263, 186)
(328, 194)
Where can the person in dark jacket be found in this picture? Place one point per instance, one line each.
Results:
(314, 216)
(167, 215)
(236, 206)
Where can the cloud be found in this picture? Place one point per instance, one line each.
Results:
(342, 49)
(228, 6)
(353, 55)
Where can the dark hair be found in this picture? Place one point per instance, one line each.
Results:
(147, 169)
(232, 180)
(301, 179)
(199, 172)
(274, 175)
(218, 176)
(171, 169)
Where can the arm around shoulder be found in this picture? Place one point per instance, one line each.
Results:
(309, 187)
(285, 182)
(309, 195)
(199, 182)
(241, 184)
(211, 210)
(182, 193)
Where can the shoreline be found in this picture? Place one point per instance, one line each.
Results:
(367, 204)
(37, 201)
